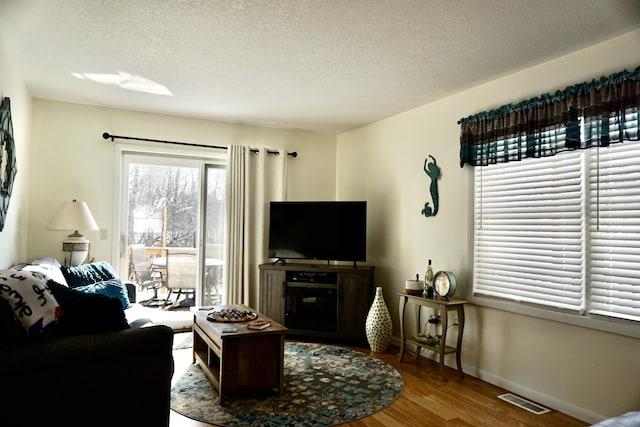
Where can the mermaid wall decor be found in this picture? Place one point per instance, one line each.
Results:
(433, 172)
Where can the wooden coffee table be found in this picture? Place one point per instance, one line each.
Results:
(242, 362)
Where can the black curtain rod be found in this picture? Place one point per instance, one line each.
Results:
(107, 135)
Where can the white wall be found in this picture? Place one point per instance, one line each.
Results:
(584, 372)
(70, 160)
(13, 238)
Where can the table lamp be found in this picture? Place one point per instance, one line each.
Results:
(74, 216)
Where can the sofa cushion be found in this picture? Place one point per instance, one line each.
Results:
(177, 320)
(32, 303)
(11, 332)
(88, 274)
(112, 288)
(87, 313)
(47, 260)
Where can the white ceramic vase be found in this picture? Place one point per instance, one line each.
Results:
(378, 325)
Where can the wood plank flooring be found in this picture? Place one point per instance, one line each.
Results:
(427, 401)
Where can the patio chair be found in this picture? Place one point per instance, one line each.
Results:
(181, 276)
(143, 275)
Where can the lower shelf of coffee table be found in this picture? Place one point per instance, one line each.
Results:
(204, 353)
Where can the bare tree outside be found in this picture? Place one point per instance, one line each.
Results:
(216, 190)
(163, 205)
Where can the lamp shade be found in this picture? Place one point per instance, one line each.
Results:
(73, 216)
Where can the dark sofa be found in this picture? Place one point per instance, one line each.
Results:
(120, 378)
(115, 378)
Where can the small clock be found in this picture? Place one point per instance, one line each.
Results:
(444, 283)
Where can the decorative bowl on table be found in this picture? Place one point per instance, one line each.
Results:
(427, 339)
(231, 314)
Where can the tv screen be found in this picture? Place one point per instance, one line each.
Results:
(333, 231)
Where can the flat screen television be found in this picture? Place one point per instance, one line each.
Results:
(332, 231)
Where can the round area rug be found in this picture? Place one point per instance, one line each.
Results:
(324, 385)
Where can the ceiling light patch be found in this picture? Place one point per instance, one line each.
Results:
(126, 81)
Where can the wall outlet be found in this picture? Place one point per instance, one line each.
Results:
(104, 234)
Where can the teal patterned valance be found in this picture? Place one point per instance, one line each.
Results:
(596, 113)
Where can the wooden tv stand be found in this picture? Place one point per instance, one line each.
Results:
(353, 287)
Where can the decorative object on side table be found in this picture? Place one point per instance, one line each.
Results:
(378, 324)
(444, 283)
(74, 216)
(427, 339)
(413, 287)
(7, 159)
(428, 282)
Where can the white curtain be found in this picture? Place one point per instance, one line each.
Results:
(253, 180)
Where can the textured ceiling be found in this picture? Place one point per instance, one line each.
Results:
(322, 65)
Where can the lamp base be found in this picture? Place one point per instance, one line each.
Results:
(77, 247)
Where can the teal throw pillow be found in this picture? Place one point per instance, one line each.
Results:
(85, 313)
(88, 274)
(111, 288)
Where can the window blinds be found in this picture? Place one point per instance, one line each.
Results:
(529, 241)
(614, 230)
(562, 231)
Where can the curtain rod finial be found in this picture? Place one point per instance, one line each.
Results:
(107, 136)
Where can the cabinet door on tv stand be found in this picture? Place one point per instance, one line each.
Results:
(355, 294)
(272, 294)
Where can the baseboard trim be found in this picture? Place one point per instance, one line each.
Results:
(541, 398)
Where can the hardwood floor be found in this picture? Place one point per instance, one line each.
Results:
(427, 401)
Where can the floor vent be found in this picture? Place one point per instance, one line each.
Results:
(524, 404)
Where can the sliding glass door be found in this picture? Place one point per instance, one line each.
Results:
(165, 209)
